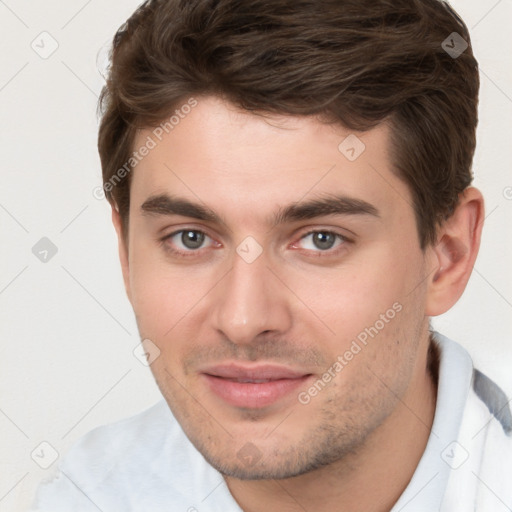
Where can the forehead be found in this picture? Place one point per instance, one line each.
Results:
(245, 165)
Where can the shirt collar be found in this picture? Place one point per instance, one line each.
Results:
(428, 484)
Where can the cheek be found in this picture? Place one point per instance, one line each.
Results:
(354, 295)
(157, 297)
(150, 293)
(166, 298)
(365, 308)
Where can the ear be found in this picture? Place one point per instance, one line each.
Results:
(122, 244)
(455, 253)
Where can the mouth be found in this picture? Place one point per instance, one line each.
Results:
(253, 386)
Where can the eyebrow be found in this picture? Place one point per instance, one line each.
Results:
(332, 204)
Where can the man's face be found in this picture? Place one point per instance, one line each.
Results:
(286, 336)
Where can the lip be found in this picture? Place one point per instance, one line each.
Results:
(227, 382)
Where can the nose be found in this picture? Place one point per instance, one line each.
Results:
(251, 301)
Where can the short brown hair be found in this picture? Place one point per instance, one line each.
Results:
(353, 62)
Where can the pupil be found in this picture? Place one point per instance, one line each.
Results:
(192, 239)
(323, 240)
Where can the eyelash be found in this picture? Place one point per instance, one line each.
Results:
(319, 253)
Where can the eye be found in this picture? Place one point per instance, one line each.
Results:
(322, 241)
(185, 241)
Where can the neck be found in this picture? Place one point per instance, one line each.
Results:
(371, 479)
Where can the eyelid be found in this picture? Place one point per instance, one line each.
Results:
(332, 251)
(181, 252)
(333, 231)
(187, 227)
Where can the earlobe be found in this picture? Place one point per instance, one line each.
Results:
(455, 253)
(122, 248)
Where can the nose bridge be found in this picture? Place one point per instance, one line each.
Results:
(248, 302)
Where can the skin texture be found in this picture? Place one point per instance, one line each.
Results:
(357, 441)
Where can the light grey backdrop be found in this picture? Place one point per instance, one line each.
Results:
(67, 331)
